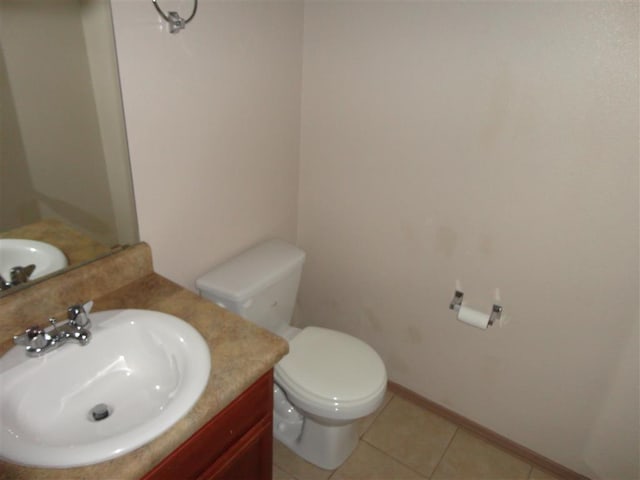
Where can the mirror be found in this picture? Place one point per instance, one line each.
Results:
(65, 177)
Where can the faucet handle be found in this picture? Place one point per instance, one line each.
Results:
(32, 337)
(78, 315)
(25, 338)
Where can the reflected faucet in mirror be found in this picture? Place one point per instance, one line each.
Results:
(18, 275)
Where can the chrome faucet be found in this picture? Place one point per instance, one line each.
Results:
(21, 274)
(18, 275)
(39, 341)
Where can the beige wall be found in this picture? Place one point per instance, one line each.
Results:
(494, 146)
(213, 125)
(490, 145)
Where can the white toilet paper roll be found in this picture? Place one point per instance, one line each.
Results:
(473, 317)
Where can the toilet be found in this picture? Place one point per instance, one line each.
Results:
(327, 381)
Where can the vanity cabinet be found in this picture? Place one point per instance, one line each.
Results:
(236, 444)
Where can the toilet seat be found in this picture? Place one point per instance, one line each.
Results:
(332, 374)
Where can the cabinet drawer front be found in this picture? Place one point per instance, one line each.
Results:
(197, 453)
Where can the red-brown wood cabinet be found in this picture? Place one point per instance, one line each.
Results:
(236, 444)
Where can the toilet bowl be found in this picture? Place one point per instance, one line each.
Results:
(332, 379)
(327, 381)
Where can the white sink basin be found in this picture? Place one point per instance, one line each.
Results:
(147, 367)
(20, 253)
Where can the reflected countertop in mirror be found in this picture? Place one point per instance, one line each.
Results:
(78, 247)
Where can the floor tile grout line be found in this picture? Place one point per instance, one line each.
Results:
(291, 474)
(530, 471)
(377, 416)
(379, 450)
(362, 439)
(286, 471)
(444, 452)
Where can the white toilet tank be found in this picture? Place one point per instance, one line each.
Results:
(259, 284)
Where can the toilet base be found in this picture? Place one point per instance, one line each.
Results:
(325, 445)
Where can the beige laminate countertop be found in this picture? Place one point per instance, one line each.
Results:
(76, 246)
(240, 353)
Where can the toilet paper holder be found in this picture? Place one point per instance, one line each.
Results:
(456, 303)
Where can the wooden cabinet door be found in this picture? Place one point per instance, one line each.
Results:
(241, 431)
(249, 459)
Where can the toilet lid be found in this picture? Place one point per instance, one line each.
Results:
(332, 366)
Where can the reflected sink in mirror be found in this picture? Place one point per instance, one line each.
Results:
(20, 253)
(80, 405)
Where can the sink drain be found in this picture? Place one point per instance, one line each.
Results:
(99, 412)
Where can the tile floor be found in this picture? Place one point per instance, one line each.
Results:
(404, 441)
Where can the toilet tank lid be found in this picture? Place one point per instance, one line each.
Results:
(242, 276)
